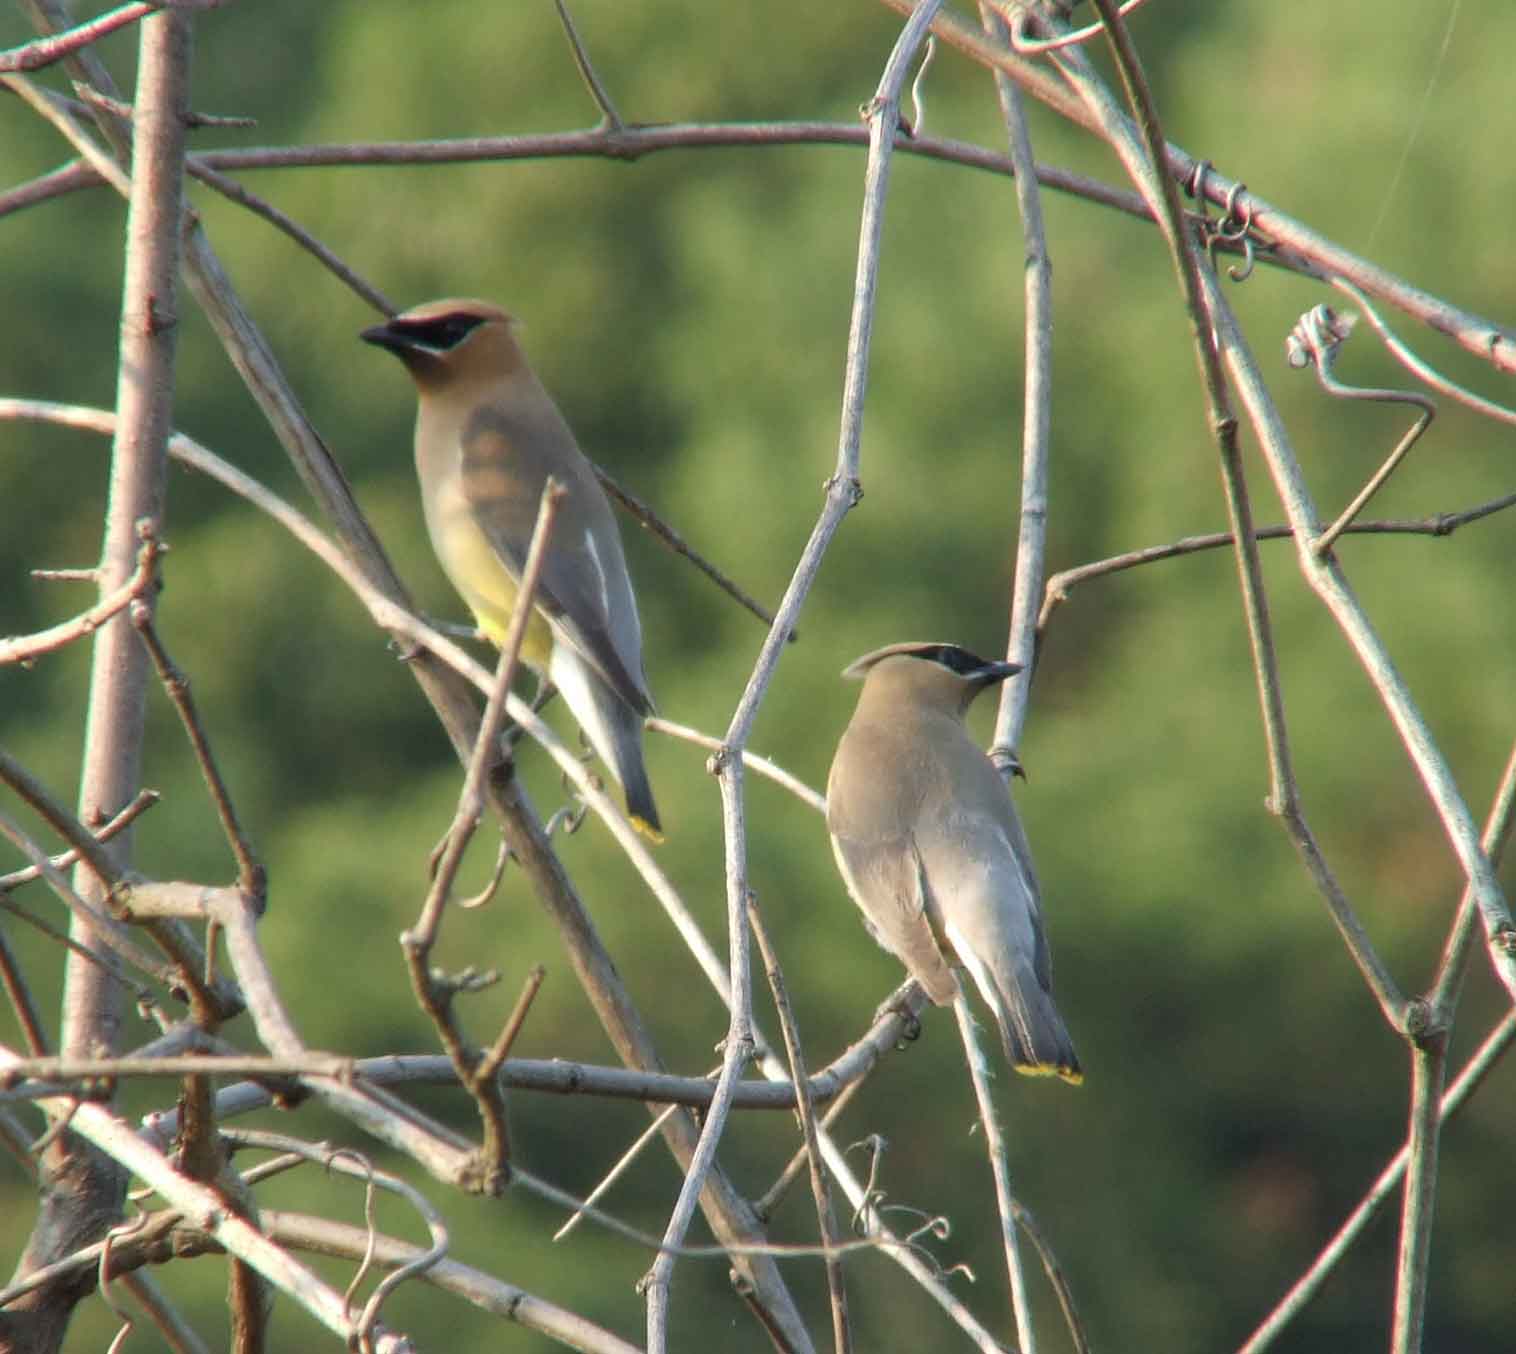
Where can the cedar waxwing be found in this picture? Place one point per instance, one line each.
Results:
(487, 438)
(931, 850)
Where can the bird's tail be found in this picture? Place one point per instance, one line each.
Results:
(1037, 1042)
(614, 730)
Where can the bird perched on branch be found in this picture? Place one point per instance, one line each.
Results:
(931, 850)
(487, 438)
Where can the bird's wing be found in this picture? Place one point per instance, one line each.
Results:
(992, 915)
(583, 589)
(888, 882)
(983, 875)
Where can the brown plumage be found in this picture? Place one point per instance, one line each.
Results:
(488, 435)
(931, 850)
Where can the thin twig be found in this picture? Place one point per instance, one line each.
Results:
(344, 1161)
(42, 52)
(1439, 524)
(417, 941)
(1454, 963)
(437, 1148)
(251, 875)
(25, 649)
(1315, 341)
(105, 961)
(90, 99)
(242, 195)
(619, 1168)
(500, 1050)
(843, 490)
(1294, 245)
(178, 1335)
(627, 142)
(1422, 370)
(21, 999)
(93, 907)
(58, 182)
(203, 1203)
(762, 765)
(612, 119)
(994, 1146)
(1428, 1068)
(675, 542)
(842, 1336)
(771, 1198)
(1327, 580)
(1198, 286)
(102, 925)
(1485, 1058)
(1029, 46)
(1036, 421)
(325, 1237)
(1055, 1275)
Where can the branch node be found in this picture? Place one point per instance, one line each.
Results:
(849, 487)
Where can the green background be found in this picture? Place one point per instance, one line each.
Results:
(690, 312)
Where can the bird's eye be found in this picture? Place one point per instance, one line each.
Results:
(955, 659)
(455, 328)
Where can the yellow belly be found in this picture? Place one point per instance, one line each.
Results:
(487, 586)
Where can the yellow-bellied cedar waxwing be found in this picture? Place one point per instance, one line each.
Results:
(487, 438)
(931, 850)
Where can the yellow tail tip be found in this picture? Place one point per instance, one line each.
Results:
(646, 829)
(1073, 1075)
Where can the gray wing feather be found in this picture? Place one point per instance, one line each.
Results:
(888, 882)
(584, 589)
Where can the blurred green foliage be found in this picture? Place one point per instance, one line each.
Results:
(690, 312)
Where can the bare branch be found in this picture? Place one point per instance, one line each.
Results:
(417, 941)
(489, 1065)
(205, 1206)
(842, 1336)
(303, 1232)
(1454, 963)
(1314, 341)
(994, 1146)
(235, 192)
(1294, 245)
(1428, 1068)
(675, 542)
(1327, 580)
(21, 999)
(27, 648)
(1440, 524)
(612, 119)
(345, 1161)
(41, 52)
(1486, 1057)
(251, 876)
(1036, 422)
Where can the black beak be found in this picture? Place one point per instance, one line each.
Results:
(991, 673)
(386, 336)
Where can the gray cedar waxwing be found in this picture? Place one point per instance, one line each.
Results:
(931, 850)
(487, 438)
